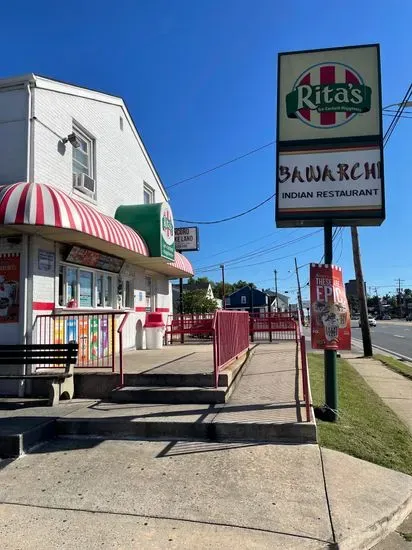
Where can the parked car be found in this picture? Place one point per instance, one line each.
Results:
(371, 321)
(386, 317)
(408, 317)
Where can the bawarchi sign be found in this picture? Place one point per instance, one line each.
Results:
(329, 138)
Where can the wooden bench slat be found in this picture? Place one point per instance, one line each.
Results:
(55, 376)
(73, 345)
(38, 361)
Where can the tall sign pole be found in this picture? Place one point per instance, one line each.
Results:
(329, 170)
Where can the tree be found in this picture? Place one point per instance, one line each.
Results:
(217, 290)
(195, 301)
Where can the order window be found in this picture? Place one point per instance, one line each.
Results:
(86, 287)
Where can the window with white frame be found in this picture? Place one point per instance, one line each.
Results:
(88, 288)
(148, 194)
(83, 163)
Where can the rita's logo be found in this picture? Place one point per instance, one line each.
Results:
(167, 225)
(328, 95)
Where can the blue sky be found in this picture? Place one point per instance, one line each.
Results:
(199, 78)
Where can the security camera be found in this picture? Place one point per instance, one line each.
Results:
(72, 139)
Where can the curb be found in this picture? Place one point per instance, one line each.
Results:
(378, 531)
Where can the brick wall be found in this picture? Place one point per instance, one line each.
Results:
(120, 163)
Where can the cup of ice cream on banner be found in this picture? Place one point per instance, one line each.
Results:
(341, 311)
(319, 309)
(330, 322)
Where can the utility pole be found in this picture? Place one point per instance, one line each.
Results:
(222, 267)
(300, 305)
(400, 281)
(366, 333)
(276, 291)
(378, 300)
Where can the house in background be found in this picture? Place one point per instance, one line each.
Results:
(282, 302)
(247, 299)
(188, 287)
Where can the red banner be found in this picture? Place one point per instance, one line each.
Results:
(9, 288)
(330, 319)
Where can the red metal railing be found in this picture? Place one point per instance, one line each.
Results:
(272, 326)
(120, 333)
(195, 326)
(231, 338)
(307, 396)
(94, 332)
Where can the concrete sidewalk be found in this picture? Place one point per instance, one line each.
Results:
(91, 492)
(98, 494)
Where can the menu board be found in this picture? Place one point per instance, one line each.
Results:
(91, 258)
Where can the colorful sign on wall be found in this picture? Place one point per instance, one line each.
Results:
(330, 318)
(9, 288)
(329, 138)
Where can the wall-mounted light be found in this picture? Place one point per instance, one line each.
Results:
(72, 139)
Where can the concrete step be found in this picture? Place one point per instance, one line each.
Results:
(22, 438)
(172, 379)
(165, 394)
(119, 428)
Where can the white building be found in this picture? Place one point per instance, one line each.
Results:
(70, 157)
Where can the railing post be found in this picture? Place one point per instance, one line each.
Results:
(114, 342)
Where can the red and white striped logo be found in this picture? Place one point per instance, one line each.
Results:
(328, 95)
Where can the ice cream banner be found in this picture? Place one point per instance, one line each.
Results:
(330, 319)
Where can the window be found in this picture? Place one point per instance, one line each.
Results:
(149, 293)
(83, 155)
(83, 164)
(71, 280)
(243, 299)
(148, 194)
(128, 294)
(87, 288)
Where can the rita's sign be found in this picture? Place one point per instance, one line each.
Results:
(329, 138)
(340, 89)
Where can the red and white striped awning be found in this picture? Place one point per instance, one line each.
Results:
(179, 266)
(35, 204)
(49, 212)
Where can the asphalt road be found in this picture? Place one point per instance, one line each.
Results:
(395, 336)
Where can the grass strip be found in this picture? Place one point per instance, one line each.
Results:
(366, 427)
(396, 365)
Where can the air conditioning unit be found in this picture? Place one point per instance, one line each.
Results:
(85, 184)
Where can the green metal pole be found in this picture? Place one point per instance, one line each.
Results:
(331, 382)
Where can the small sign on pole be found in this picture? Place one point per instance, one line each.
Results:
(330, 319)
(186, 239)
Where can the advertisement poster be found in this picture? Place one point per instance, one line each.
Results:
(83, 340)
(71, 330)
(94, 338)
(104, 337)
(59, 330)
(330, 319)
(9, 288)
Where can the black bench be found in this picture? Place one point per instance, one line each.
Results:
(52, 355)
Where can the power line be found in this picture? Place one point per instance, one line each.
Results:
(262, 250)
(235, 159)
(231, 217)
(395, 119)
